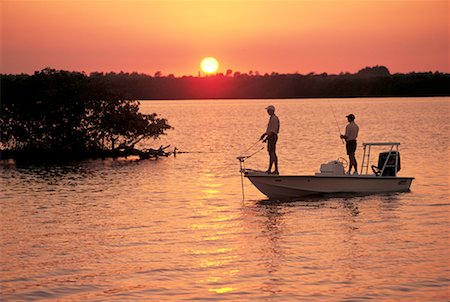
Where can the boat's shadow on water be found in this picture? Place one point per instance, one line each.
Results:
(323, 198)
(350, 202)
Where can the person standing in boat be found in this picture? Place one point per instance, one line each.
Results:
(271, 137)
(351, 133)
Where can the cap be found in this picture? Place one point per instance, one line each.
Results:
(271, 107)
(351, 116)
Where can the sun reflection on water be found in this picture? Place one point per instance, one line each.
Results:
(222, 290)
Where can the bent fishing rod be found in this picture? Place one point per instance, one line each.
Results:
(337, 124)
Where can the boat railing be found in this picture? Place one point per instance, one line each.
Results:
(366, 156)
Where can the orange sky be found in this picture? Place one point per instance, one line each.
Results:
(266, 36)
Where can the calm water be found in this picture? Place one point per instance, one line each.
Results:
(178, 229)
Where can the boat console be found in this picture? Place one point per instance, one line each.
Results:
(332, 168)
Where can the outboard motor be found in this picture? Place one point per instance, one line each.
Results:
(390, 165)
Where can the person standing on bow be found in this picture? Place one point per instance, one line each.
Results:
(271, 136)
(351, 133)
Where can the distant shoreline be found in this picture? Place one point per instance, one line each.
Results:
(369, 82)
(299, 98)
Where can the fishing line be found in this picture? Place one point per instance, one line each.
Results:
(198, 152)
(177, 151)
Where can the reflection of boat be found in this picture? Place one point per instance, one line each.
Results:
(332, 179)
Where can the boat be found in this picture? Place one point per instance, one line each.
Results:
(332, 178)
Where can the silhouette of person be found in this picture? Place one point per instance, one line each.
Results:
(351, 133)
(271, 137)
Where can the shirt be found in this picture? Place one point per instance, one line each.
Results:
(274, 125)
(351, 131)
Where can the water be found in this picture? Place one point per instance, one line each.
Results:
(178, 229)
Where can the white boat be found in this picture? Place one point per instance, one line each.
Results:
(332, 179)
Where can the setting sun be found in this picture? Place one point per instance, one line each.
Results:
(209, 65)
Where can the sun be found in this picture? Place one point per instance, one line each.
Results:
(209, 65)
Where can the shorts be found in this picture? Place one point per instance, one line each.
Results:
(272, 142)
(351, 147)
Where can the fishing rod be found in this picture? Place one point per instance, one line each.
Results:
(248, 156)
(246, 150)
(337, 124)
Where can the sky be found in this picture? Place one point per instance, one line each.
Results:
(172, 37)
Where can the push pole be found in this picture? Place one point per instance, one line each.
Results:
(242, 165)
(241, 162)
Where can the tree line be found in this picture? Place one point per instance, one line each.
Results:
(368, 82)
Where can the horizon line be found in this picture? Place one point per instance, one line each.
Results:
(228, 73)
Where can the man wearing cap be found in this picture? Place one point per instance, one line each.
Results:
(351, 133)
(271, 136)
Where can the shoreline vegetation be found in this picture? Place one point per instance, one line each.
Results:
(56, 114)
(62, 115)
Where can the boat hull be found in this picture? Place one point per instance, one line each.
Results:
(291, 186)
